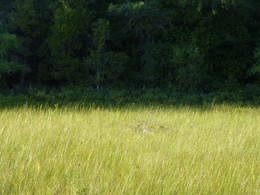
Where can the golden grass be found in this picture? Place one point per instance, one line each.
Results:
(131, 150)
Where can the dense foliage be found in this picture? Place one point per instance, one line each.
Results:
(187, 45)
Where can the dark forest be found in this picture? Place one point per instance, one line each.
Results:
(190, 46)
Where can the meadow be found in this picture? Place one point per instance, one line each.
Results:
(134, 149)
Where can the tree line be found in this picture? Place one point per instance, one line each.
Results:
(187, 45)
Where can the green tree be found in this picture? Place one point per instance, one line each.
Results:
(256, 68)
(7, 16)
(33, 20)
(215, 4)
(66, 42)
(106, 65)
(187, 63)
(142, 24)
(10, 48)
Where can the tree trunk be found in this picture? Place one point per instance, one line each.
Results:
(98, 74)
(22, 76)
(22, 79)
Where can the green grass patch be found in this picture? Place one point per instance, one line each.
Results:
(130, 150)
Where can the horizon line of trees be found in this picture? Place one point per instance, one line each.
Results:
(188, 45)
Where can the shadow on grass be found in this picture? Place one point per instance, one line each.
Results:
(114, 99)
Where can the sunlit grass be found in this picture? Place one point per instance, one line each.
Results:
(132, 150)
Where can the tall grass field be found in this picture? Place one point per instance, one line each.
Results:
(130, 150)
